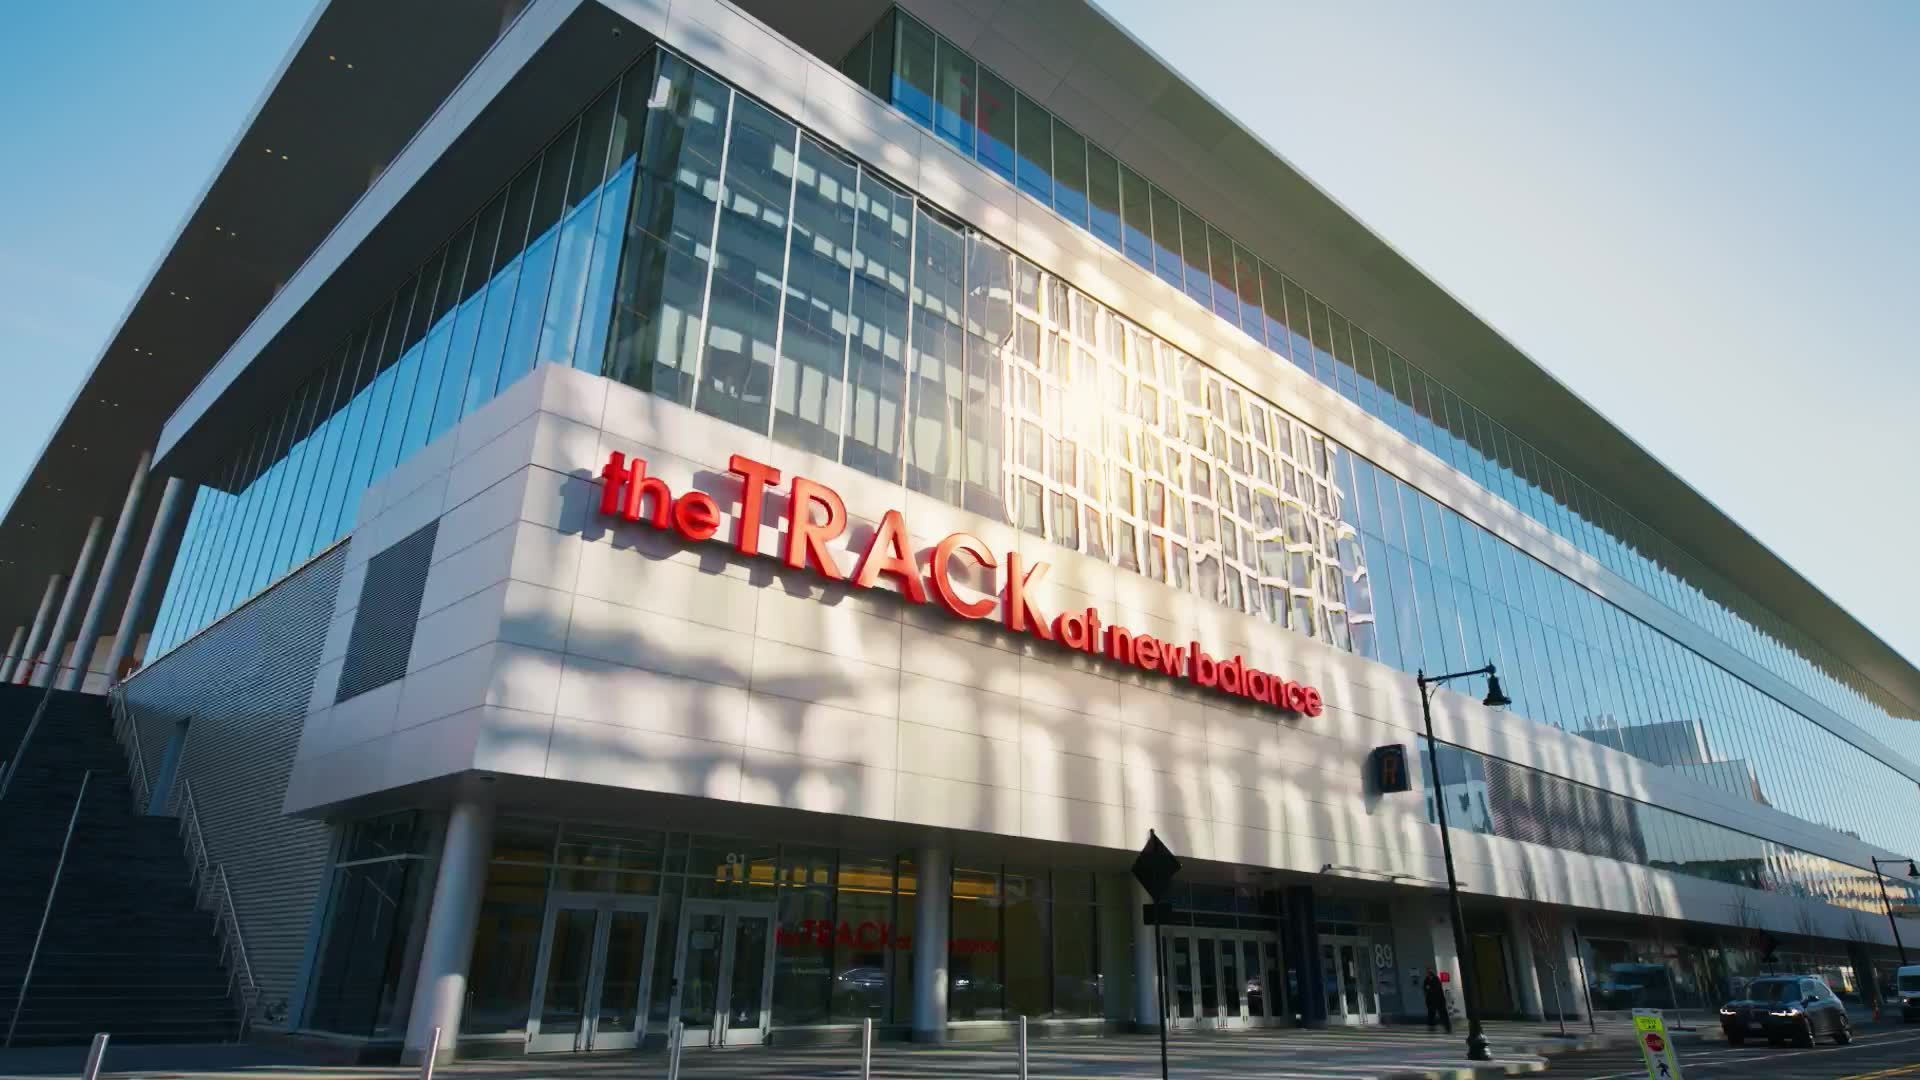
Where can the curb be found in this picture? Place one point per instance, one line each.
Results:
(1467, 1072)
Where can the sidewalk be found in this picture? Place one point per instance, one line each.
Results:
(1374, 1053)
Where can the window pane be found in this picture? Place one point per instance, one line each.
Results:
(1069, 174)
(664, 271)
(496, 313)
(813, 342)
(536, 266)
(1103, 193)
(743, 310)
(876, 369)
(1226, 291)
(953, 110)
(913, 78)
(994, 117)
(934, 450)
(1166, 239)
(573, 248)
(466, 319)
(1193, 245)
(1137, 218)
(1035, 132)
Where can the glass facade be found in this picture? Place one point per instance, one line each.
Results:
(941, 87)
(1498, 798)
(528, 280)
(1032, 940)
(716, 254)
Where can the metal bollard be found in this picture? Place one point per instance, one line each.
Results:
(96, 1056)
(433, 1052)
(676, 1034)
(1023, 1048)
(866, 1049)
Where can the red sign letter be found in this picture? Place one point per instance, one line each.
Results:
(807, 541)
(1020, 614)
(896, 558)
(614, 472)
(754, 478)
(696, 516)
(943, 583)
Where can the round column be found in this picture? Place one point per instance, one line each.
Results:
(932, 894)
(23, 666)
(136, 608)
(441, 991)
(57, 637)
(75, 677)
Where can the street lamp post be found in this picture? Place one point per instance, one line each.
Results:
(1496, 698)
(1880, 876)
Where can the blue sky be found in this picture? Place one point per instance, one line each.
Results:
(1700, 216)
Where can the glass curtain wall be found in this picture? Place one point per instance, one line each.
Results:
(737, 265)
(528, 280)
(843, 939)
(376, 907)
(1498, 798)
(942, 88)
(1447, 596)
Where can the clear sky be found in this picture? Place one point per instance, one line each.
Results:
(1700, 216)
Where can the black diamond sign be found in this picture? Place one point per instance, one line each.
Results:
(1155, 868)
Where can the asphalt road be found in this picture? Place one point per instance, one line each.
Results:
(1876, 1052)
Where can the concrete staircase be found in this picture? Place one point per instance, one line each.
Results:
(126, 950)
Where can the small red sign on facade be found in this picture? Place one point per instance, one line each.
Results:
(815, 516)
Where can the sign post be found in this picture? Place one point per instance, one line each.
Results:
(1154, 868)
(1656, 1046)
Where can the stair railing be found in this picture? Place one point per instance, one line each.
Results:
(20, 998)
(128, 733)
(212, 892)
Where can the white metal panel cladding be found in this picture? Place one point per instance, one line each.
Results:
(243, 686)
(389, 610)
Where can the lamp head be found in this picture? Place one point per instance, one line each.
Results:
(1496, 698)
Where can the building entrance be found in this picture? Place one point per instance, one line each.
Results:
(590, 984)
(1347, 979)
(723, 974)
(1223, 978)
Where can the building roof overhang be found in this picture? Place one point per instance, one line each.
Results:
(346, 97)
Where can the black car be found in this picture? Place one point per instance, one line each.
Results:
(1786, 1008)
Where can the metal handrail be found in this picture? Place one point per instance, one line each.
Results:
(33, 725)
(20, 999)
(137, 763)
(233, 944)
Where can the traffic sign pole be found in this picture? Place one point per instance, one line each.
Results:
(1154, 869)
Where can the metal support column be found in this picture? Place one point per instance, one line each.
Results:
(136, 608)
(24, 665)
(13, 653)
(76, 674)
(57, 637)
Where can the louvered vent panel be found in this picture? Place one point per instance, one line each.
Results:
(243, 685)
(389, 609)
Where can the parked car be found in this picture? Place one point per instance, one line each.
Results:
(1906, 983)
(1786, 1008)
(1629, 986)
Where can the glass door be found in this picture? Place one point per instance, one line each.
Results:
(590, 983)
(721, 975)
(1348, 980)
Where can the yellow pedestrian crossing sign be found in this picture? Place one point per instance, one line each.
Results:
(1656, 1046)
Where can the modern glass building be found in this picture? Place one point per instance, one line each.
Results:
(552, 543)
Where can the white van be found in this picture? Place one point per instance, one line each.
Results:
(1906, 983)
